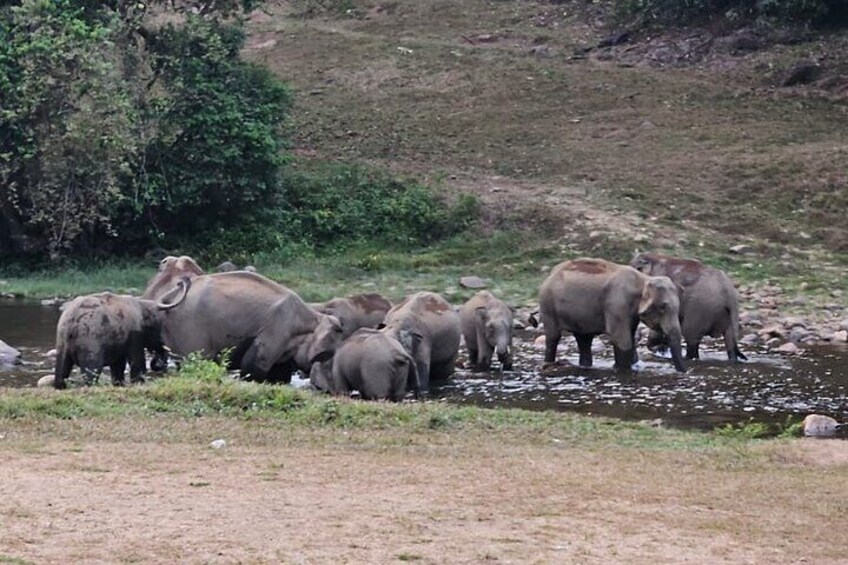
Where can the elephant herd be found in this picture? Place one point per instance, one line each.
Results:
(364, 343)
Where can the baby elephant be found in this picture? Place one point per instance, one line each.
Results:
(106, 330)
(371, 362)
(487, 327)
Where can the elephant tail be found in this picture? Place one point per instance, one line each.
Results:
(731, 338)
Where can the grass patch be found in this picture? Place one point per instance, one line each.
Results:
(204, 389)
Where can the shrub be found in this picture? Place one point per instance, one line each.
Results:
(681, 12)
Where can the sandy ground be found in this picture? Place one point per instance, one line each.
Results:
(458, 500)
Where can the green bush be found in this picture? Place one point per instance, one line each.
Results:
(344, 204)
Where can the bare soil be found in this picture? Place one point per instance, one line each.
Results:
(273, 495)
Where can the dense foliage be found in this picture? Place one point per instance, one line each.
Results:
(118, 134)
(788, 12)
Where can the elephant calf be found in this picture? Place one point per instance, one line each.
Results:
(589, 297)
(358, 311)
(710, 304)
(107, 330)
(428, 327)
(371, 362)
(487, 328)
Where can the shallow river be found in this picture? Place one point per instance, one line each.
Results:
(712, 392)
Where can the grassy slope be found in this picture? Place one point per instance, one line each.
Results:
(689, 160)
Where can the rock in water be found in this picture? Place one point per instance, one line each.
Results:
(46, 381)
(472, 282)
(8, 355)
(816, 425)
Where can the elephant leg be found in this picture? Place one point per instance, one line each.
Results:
(633, 327)
(732, 347)
(484, 358)
(473, 356)
(551, 342)
(64, 365)
(623, 359)
(136, 359)
(423, 368)
(281, 372)
(692, 350)
(584, 346)
(117, 369)
(441, 371)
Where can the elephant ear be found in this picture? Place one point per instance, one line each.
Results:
(410, 341)
(482, 314)
(649, 296)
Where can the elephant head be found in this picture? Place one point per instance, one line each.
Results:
(659, 309)
(292, 330)
(321, 376)
(171, 269)
(496, 329)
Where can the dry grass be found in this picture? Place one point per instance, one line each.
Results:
(152, 491)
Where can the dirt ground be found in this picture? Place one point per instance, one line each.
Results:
(445, 499)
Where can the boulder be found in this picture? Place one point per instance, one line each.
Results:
(8, 355)
(741, 249)
(472, 282)
(817, 425)
(46, 381)
(840, 336)
(249, 269)
(226, 267)
(788, 349)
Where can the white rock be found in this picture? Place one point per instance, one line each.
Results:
(843, 325)
(8, 354)
(841, 336)
(816, 425)
(218, 444)
(539, 342)
(46, 381)
(788, 348)
(741, 249)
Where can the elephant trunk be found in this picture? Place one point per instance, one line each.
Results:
(675, 345)
(504, 352)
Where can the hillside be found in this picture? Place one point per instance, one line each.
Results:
(682, 142)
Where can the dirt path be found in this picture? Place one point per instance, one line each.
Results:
(465, 500)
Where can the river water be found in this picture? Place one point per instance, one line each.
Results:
(767, 388)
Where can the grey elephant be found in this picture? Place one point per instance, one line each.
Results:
(428, 327)
(107, 329)
(589, 297)
(371, 362)
(171, 270)
(710, 303)
(487, 328)
(267, 328)
(357, 311)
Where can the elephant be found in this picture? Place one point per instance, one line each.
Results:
(372, 362)
(428, 328)
(710, 304)
(267, 329)
(589, 297)
(171, 270)
(107, 329)
(357, 311)
(487, 328)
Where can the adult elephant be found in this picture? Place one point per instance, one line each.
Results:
(710, 303)
(171, 271)
(107, 329)
(267, 328)
(371, 362)
(589, 297)
(428, 327)
(358, 311)
(487, 328)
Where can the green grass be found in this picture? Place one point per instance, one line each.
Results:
(81, 279)
(203, 389)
